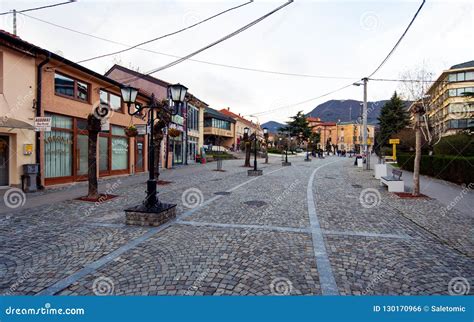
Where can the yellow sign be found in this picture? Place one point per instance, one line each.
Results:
(27, 149)
(394, 143)
(369, 141)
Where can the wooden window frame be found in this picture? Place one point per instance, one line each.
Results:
(75, 97)
(121, 109)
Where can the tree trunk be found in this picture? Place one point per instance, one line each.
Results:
(247, 154)
(92, 165)
(416, 166)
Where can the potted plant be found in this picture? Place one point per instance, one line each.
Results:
(131, 131)
(173, 132)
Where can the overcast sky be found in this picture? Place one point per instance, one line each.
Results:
(329, 38)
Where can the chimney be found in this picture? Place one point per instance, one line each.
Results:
(228, 108)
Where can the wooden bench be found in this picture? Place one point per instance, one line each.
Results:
(394, 182)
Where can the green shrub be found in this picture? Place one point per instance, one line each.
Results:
(221, 155)
(274, 150)
(458, 144)
(456, 169)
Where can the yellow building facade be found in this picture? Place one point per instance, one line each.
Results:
(450, 108)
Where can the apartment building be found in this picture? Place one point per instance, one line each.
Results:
(451, 100)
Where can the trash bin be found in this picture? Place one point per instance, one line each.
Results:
(219, 164)
(28, 179)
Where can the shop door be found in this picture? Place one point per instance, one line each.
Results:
(82, 163)
(4, 161)
(139, 153)
(104, 156)
(178, 152)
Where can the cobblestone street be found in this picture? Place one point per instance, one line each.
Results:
(314, 228)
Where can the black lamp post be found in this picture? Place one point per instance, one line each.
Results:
(177, 93)
(255, 171)
(307, 149)
(265, 135)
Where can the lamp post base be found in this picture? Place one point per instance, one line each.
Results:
(155, 216)
(286, 164)
(254, 173)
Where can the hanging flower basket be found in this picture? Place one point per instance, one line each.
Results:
(131, 131)
(173, 133)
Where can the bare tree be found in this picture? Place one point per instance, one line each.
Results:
(414, 85)
(93, 129)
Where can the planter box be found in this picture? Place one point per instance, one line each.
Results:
(254, 173)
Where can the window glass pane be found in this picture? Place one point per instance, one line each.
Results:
(103, 153)
(119, 153)
(115, 102)
(117, 130)
(460, 91)
(82, 91)
(460, 77)
(452, 77)
(469, 75)
(60, 121)
(462, 124)
(63, 85)
(82, 154)
(104, 97)
(58, 154)
(452, 92)
(81, 124)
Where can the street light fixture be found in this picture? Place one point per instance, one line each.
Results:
(307, 154)
(265, 136)
(151, 204)
(255, 171)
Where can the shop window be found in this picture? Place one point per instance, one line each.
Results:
(103, 153)
(119, 148)
(58, 147)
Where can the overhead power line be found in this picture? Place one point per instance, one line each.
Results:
(305, 101)
(38, 8)
(376, 70)
(193, 60)
(399, 40)
(235, 33)
(166, 35)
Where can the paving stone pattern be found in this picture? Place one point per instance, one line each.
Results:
(254, 240)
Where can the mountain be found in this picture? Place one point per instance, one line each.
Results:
(272, 126)
(346, 110)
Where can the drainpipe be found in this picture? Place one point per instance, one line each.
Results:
(38, 113)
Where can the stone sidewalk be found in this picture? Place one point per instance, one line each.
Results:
(320, 227)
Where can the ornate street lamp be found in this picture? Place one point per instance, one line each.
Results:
(307, 147)
(265, 135)
(151, 204)
(255, 171)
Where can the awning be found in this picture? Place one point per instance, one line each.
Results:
(10, 123)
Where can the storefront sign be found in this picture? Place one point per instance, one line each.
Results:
(141, 129)
(178, 119)
(43, 124)
(104, 125)
(27, 149)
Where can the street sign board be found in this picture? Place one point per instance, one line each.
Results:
(141, 129)
(394, 141)
(43, 124)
